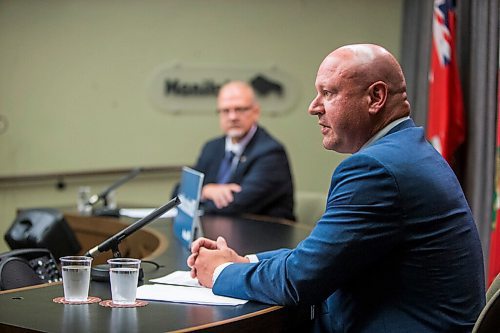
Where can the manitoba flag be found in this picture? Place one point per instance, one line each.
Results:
(445, 121)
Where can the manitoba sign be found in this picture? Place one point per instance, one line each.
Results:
(193, 89)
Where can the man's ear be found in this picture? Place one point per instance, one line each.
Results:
(257, 111)
(378, 96)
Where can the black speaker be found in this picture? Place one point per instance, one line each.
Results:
(27, 267)
(42, 228)
(17, 273)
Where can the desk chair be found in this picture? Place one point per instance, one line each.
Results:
(489, 318)
(494, 287)
(309, 206)
(16, 272)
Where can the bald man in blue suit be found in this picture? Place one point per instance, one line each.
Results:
(397, 249)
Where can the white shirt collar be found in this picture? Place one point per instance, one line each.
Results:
(384, 131)
(239, 147)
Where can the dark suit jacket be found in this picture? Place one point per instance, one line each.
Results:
(396, 250)
(263, 173)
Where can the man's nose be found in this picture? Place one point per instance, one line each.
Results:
(316, 106)
(233, 114)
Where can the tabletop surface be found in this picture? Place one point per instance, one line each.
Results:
(34, 309)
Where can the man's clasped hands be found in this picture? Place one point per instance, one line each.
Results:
(207, 255)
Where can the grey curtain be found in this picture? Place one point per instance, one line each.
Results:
(477, 51)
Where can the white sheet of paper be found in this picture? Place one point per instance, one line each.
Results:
(181, 294)
(179, 278)
(139, 213)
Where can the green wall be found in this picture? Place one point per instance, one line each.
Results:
(75, 74)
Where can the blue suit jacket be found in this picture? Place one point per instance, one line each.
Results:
(396, 250)
(263, 173)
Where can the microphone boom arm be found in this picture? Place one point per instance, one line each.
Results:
(103, 195)
(112, 242)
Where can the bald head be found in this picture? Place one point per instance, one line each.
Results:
(239, 88)
(361, 89)
(368, 63)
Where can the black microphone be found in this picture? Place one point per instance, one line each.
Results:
(104, 194)
(112, 242)
(101, 272)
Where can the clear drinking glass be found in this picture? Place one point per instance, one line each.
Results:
(124, 277)
(76, 277)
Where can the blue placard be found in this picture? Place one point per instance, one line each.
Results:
(187, 211)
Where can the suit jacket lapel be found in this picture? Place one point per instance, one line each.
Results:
(246, 156)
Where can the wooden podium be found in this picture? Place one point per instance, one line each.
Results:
(91, 231)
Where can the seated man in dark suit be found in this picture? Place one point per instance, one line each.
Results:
(246, 170)
(397, 248)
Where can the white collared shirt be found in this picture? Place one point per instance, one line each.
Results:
(384, 131)
(239, 147)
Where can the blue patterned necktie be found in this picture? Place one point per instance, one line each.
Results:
(225, 168)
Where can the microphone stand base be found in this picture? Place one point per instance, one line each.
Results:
(107, 212)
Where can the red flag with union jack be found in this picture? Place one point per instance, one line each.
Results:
(445, 121)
